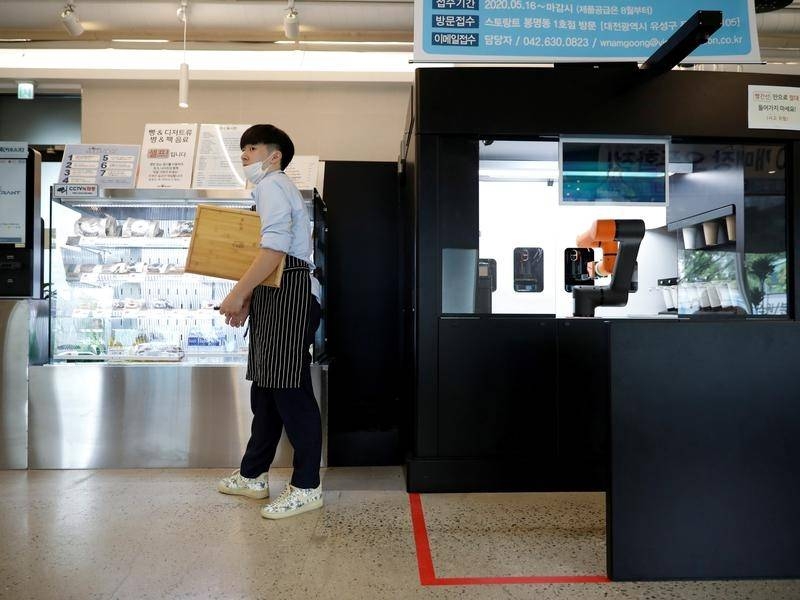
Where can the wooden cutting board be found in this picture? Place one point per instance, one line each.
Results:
(224, 243)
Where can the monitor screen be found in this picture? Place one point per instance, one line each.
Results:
(612, 171)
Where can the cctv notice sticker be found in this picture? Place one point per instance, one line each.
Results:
(105, 166)
(167, 156)
(574, 31)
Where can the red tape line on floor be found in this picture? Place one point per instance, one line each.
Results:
(427, 574)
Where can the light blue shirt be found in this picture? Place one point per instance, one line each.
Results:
(285, 225)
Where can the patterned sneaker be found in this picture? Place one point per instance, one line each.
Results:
(238, 484)
(293, 501)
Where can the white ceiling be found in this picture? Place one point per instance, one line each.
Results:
(254, 24)
(211, 22)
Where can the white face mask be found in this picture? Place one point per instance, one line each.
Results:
(255, 172)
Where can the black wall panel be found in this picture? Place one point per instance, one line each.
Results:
(363, 313)
(705, 422)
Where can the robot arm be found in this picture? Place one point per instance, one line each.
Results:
(601, 234)
(620, 240)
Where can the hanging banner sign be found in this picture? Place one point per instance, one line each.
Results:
(773, 107)
(107, 166)
(537, 31)
(167, 156)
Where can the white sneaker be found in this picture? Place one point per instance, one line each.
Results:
(238, 484)
(293, 501)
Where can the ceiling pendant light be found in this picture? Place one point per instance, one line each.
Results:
(183, 82)
(69, 18)
(291, 23)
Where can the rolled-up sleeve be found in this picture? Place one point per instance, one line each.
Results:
(275, 211)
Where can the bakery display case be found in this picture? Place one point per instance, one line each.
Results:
(143, 372)
(120, 292)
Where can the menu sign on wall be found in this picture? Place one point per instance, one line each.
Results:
(108, 166)
(773, 107)
(218, 163)
(573, 31)
(167, 156)
(303, 171)
(13, 166)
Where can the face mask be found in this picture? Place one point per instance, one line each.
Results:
(255, 173)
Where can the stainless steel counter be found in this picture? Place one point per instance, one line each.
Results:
(87, 416)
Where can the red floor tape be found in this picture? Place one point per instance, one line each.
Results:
(427, 574)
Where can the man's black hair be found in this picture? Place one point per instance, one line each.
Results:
(272, 136)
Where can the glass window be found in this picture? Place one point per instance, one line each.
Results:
(730, 203)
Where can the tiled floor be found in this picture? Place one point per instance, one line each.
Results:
(169, 534)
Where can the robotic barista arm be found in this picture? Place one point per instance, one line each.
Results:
(619, 240)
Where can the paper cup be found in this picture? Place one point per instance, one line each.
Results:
(713, 296)
(730, 227)
(710, 232)
(703, 297)
(724, 294)
(667, 298)
(690, 241)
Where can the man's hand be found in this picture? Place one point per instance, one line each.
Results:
(235, 309)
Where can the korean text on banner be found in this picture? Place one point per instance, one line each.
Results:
(573, 31)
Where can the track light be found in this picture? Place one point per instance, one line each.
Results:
(291, 23)
(69, 17)
(183, 82)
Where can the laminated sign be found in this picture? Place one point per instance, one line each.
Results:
(167, 156)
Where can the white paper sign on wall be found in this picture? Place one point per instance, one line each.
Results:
(773, 107)
(219, 158)
(167, 156)
(303, 171)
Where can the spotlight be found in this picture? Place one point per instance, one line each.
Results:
(70, 20)
(291, 23)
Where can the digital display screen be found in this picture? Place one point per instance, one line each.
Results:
(613, 171)
(12, 201)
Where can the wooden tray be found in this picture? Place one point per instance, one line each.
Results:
(224, 243)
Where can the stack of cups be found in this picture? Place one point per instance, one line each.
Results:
(710, 232)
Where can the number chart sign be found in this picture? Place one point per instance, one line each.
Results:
(108, 166)
(538, 31)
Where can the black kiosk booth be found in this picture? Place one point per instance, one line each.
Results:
(691, 424)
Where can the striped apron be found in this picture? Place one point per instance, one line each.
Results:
(278, 321)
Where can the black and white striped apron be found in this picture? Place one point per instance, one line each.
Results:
(278, 320)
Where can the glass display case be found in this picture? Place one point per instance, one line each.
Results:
(120, 292)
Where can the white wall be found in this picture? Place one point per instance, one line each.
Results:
(519, 214)
(335, 120)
